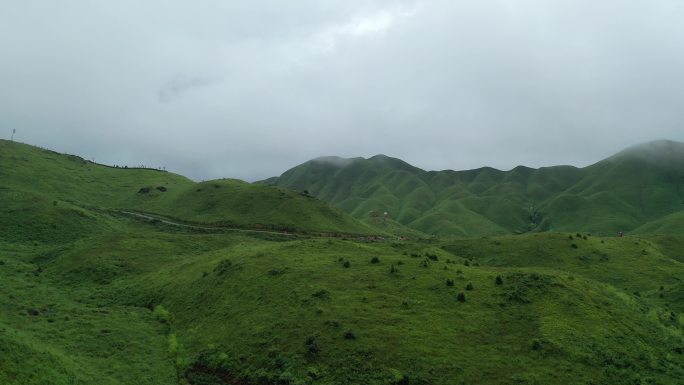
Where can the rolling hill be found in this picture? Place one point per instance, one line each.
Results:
(57, 187)
(204, 296)
(640, 189)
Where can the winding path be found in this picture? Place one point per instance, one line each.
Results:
(216, 228)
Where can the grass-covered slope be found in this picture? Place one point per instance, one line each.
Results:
(57, 187)
(93, 296)
(640, 189)
(153, 304)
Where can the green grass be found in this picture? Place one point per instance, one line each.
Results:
(243, 307)
(49, 335)
(90, 295)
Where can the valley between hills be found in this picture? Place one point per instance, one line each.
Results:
(118, 275)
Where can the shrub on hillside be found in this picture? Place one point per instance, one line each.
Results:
(398, 378)
(375, 260)
(333, 323)
(161, 314)
(461, 297)
(450, 282)
(346, 264)
(312, 345)
(173, 344)
(536, 344)
(321, 294)
(223, 266)
(349, 335)
(498, 280)
(312, 372)
(469, 286)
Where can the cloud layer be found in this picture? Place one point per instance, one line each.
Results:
(248, 89)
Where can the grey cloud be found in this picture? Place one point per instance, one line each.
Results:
(248, 89)
(174, 88)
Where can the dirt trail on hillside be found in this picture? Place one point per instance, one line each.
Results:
(215, 228)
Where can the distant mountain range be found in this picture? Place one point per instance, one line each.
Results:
(640, 189)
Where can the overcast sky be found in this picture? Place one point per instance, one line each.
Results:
(247, 89)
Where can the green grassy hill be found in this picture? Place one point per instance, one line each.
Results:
(61, 186)
(638, 190)
(91, 295)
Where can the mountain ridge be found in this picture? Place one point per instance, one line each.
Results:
(623, 192)
(651, 146)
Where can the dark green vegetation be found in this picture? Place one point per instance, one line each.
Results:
(640, 190)
(91, 295)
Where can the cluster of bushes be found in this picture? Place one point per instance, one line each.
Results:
(520, 285)
(345, 263)
(223, 266)
(142, 190)
(430, 256)
(321, 294)
(349, 335)
(311, 344)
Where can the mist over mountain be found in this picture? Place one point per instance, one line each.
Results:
(629, 191)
